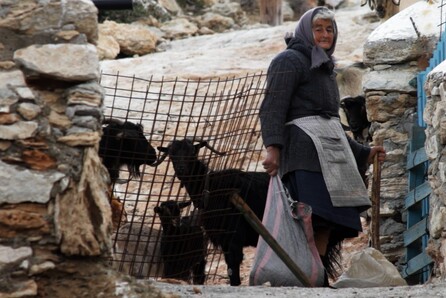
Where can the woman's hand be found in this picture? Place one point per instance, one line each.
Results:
(272, 160)
(377, 150)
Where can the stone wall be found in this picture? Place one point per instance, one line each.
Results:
(395, 53)
(434, 116)
(54, 204)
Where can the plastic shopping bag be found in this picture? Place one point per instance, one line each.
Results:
(289, 222)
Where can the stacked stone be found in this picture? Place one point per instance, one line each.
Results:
(391, 100)
(53, 186)
(434, 116)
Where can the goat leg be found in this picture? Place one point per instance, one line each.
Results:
(234, 259)
(198, 271)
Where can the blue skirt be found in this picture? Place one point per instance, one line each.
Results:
(309, 188)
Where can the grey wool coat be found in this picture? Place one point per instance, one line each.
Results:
(294, 90)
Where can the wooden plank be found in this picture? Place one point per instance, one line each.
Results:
(415, 232)
(417, 194)
(416, 158)
(257, 225)
(376, 203)
(416, 264)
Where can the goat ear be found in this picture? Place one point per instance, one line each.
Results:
(162, 149)
(184, 204)
(157, 209)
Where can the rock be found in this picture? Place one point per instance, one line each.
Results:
(231, 10)
(56, 61)
(216, 22)
(385, 45)
(8, 98)
(11, 78)
(85, 138)
(18, 130)
(179, 28)
(89, 94)
(29, 111)
(132, 39)
(59, 120)
(31, 219)
(26, 288)
(390, 80)
(437, 220)
(10, 257)
(7, 119)
(82, 14)
(140, 241)
(22, 185)
(83, 215)
(108, 47)
(24, 93)
(39, 268)
(40, 22)
(38, 160)
(171, 6)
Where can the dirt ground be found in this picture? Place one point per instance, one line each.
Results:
(91, 281)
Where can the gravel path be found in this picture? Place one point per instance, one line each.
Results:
(421, 291)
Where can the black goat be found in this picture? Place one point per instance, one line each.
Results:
(183, 246)
(211, 191)
(124, 143)
(356, 114)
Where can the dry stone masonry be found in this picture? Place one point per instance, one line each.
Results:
(395, 52)
(53, 198)
(434, 116)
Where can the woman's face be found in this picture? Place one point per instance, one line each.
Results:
(323, 33)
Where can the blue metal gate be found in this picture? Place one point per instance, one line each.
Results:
(417, 267)
(418, 263)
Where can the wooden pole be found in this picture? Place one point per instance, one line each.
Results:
(257, 225)
(271, 12)
(376, 188)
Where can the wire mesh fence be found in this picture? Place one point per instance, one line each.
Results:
(223, 112)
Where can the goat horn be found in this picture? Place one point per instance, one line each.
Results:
(206, 144)
(160, 159)
(213, 149)
(363, 2)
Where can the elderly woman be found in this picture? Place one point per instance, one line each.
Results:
(304, 140)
